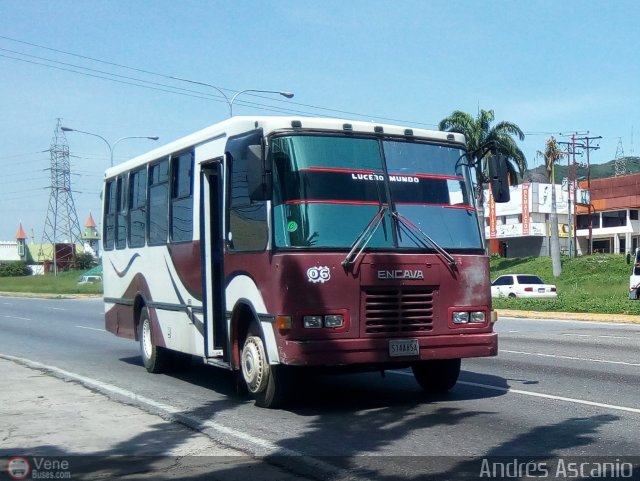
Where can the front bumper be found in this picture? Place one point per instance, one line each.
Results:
(375, 351)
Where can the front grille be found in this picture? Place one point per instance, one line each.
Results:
(401, 310)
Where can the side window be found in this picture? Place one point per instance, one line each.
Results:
(158, 202)
(182, 198)
(109, 214)
(121, 216)
(247, 220)
(503, 281)
(137, 207)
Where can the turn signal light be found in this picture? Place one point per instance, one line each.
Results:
(283, 323)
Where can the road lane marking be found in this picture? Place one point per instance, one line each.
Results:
(602, 336)
(540, 395)
(598, 336)
(571, 358)
(57, 308)
(194, 422)
(91, 328)
(552, 397)
(16, 317)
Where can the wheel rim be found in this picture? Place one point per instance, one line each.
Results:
(254, 366)
(147, 346)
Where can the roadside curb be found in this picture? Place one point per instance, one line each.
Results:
(572, 316)
(41, 295)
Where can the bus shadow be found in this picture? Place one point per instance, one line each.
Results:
(198, 374)
(320, 393)
(348, 392)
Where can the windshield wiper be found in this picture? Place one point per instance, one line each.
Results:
(365, 236)
(419, 237)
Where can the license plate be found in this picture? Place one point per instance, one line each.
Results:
(403, 347)
(540, 289)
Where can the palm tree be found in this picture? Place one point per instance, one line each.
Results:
(482, 138)
(551, 155)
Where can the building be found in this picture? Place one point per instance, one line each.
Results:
(90, 236)
(606, 218)
(40, 257)
(610, 222)
(12, 251)
(521, 227)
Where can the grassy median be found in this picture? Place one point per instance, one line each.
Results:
(597, 284)
(63, 283)
(594, 284)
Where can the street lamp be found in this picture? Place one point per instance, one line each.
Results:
(226, 97)
(284, 94)
(111, 146)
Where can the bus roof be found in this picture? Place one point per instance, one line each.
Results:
(240, 124)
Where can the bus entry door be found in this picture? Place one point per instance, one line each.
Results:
(211, 235)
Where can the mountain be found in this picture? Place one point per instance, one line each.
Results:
(597, 171)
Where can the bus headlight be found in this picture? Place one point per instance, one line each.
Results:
(469, 317)
(333, 320)
(312, 322)
(460, 317)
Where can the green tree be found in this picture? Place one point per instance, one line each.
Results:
(85, 260)
(551, 155)
(484, 138)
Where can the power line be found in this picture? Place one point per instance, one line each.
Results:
(23, 155)
(205, 97)
(200, 94)
(93, 59)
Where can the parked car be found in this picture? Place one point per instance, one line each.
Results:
(521, 285)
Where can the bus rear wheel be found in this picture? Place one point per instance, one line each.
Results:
(437, 376)
(156, 359)
(270, 385)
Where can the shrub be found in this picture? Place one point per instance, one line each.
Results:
(14, 269)
(85, 260)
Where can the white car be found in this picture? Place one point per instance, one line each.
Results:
(522, 285)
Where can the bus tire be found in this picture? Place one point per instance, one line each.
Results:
(269, 385)
(156, 359)
(437, 376)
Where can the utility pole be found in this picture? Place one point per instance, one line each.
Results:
(61, 224)
(572, 216)
(588, 148)
(571, 192)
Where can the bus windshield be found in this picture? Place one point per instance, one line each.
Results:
(327, 189)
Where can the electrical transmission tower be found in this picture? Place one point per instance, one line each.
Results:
(620, 160)
(61, 228)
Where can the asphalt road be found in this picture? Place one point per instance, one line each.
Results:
(557, 388)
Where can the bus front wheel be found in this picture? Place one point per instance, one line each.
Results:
(156, 359)
(270, 385)
(437, 376)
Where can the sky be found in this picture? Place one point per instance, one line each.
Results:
(105, 67)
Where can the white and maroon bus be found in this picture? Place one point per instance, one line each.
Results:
(271, 245)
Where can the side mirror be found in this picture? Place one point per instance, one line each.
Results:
(246, 150)
(259, 179)
(498, 178)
